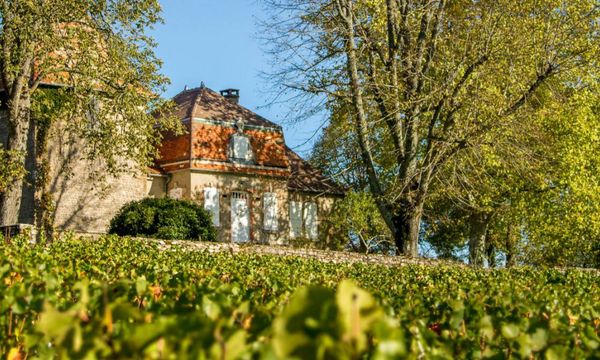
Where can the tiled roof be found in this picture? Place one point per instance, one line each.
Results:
(206, 143)
(205, 103)
(308, 179)
(211, 142)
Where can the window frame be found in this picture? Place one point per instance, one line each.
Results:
(299, 214)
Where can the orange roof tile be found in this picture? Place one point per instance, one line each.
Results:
(211, 119)
(205, 103)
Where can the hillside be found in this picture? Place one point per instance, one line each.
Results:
(116, 297)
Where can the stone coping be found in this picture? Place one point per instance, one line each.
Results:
(331, 256)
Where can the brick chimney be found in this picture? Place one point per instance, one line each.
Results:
(232, 95)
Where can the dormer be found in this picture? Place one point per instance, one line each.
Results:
(240, 148)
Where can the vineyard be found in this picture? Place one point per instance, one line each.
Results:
(121, 298)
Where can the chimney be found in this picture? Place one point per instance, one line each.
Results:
(232, 95)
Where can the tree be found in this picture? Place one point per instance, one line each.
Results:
(531, 195)
(91, 62)
(356, 217)
(562, 225)
(423, 81)
(10, 170)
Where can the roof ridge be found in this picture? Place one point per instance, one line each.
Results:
(189, 90)
(195, 104)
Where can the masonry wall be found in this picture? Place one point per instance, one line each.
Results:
(156, 186)
(85, 198)
(255, 187)
(325, 206)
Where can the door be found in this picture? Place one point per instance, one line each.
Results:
(240, 218)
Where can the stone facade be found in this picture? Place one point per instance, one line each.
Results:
(249, 197)
(84, 200)
(274, 186)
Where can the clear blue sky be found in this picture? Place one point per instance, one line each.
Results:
(215, 41)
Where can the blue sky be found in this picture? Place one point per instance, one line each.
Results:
(215, 41)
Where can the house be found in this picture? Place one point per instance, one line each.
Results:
(237, 164)
(231, 160)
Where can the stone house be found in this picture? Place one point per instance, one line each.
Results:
(236, 163)
(231, 160)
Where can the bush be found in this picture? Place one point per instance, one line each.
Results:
(164, 219)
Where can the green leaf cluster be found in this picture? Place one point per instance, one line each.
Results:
(121, 298)
(11, 168)
(168, 219)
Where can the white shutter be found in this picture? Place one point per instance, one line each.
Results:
(310, 220)
(295, 219)
(211, 204)
(240, 217)
(270, 211)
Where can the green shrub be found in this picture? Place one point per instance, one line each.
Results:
(164, 219)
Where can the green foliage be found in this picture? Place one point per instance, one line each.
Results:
(100, 55)
(164, 219)
(420, 92)
(121, 298)
(357, 216)
(538, 189)
(563, 222)
(11, 168)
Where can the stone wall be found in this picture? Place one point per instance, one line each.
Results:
(85, 201)
(325, 206)
(254, 187)
(190, 185)
(156, 186)
(85, 198)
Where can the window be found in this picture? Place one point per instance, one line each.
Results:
(240, 148)
(270, 211)
(295, 219)
(211, 203)
(310, 220)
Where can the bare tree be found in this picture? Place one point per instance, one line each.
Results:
(426, 79)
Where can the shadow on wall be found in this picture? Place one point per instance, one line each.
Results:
(85, 197)
(245, 193)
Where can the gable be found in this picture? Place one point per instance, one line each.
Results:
(212, 121)
(210, 141)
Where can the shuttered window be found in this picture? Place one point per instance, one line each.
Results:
(211, 204)
(310, 220)
(295, 219)
(241, 148)
(270, 211)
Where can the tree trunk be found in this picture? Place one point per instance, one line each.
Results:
(479, 224)
(42, 198)
(490, 250)
(16, 203)
(407, 225)
(510, 246)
